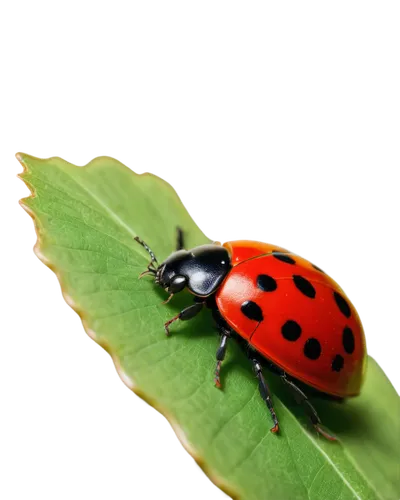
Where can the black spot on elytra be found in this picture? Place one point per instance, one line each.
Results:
(283, 257)
(304, 286)
(291, 330)
(348, 340)
(252, 310)
(266, 283)
(312, 348)
(337, 363)
(342, 304)
(318, 268)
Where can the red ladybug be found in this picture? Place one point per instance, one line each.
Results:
(287, 312)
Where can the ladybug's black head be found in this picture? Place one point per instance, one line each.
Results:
(168, 274)
(200, 270)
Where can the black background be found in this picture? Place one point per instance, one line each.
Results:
(78, 426)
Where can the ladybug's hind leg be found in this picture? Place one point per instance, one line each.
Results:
(310, 411)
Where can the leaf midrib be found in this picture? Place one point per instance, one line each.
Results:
(328, 460)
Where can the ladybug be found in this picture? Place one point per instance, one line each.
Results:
(288, 314)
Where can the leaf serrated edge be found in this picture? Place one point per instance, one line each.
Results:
(128, 382)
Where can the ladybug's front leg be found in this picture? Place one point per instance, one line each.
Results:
(187, 313)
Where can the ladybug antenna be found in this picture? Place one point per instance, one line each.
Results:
(153, 264)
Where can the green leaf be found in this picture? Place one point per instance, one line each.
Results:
(86, 219)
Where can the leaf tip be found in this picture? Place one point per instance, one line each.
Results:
(19, 156)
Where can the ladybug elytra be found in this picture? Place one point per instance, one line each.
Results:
(287, 312)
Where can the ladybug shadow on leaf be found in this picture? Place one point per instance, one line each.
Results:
(347, 418)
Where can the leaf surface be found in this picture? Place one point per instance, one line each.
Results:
(86, 219)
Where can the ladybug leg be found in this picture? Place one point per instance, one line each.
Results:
(310, 411)
(187, 313)
(221, 352)
(265, 393)
(180, 241)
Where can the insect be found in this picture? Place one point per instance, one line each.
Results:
(290, 315)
